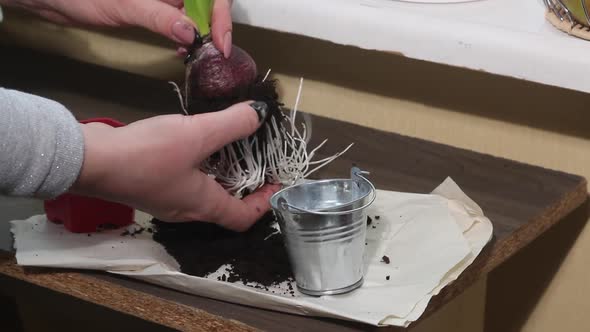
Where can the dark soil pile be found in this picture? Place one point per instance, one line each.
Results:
(201, 248)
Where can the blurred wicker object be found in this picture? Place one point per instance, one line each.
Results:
(569, 16)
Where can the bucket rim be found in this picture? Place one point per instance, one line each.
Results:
(276, 200)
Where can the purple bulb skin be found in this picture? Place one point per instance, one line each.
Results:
(212, 76)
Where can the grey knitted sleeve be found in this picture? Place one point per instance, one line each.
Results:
(41, 146)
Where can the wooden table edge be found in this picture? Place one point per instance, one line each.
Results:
(132, 302)
(186, 318)
(547, 219)
(525, 235)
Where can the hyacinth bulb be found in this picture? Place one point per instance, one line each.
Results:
(211, 75)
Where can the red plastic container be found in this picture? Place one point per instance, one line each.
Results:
(81, 214)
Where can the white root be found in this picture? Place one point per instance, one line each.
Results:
(284, 158)
(182, 104)
(272, 234)
(266, 76)
(294, 112)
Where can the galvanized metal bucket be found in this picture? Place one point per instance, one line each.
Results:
(324, 227)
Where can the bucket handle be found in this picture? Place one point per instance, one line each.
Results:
(355, 173)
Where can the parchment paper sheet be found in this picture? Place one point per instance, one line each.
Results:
(430, 240)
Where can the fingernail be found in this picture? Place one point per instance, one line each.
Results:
(227, 44)
(183, 31)
(261, 109)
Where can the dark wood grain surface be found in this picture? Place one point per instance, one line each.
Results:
(522, 201)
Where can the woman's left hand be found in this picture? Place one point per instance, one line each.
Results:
(153, 165)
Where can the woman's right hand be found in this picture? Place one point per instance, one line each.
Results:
(165, 17)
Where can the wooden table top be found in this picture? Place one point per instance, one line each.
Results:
(522, 201)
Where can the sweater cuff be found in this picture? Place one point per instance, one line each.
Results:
(68, 157)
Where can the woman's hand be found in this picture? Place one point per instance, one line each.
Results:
(164, 17)
(153, 165)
